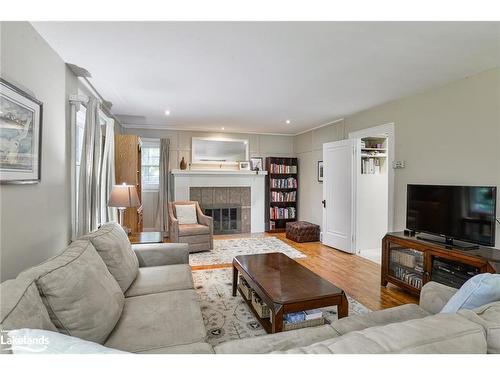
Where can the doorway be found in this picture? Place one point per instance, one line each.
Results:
(358, 191)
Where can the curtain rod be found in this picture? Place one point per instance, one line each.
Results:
(104, 102)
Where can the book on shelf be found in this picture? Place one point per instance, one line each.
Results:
(282, 168)
(283, 183)
(282, 212)
(272, 225)
(283, 197)
(313, 314)
(370, 166)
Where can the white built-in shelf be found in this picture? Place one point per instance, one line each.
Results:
(373, 149)
(374, 156)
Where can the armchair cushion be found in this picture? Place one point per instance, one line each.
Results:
(113, 245)
(193, 229)
(186, 214)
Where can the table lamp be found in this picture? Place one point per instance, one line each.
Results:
(123, 196)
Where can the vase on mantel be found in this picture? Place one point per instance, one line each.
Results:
(183, 164)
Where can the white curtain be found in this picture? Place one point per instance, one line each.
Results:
(164, 187)
(96, 172)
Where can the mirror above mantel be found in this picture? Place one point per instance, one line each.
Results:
(219, 151)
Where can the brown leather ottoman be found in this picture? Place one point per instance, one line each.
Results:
(302, 231)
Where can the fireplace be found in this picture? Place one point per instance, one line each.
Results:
(227, 218)
(230, 207)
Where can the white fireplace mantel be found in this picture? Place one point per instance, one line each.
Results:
(184, 179)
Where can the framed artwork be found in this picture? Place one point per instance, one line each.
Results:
(20, 136)
(256, 164)
(320, 171)
(244, 165)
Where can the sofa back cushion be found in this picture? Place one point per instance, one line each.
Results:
(21, 307)
(489, 317)
(81, 296)
(112, 244)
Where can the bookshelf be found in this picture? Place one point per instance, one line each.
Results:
(373, 155)
(282, 184)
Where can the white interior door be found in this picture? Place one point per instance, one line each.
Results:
(338, 195)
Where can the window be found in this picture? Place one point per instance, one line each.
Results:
(150, 165)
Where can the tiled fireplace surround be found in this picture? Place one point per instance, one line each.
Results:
(215, 197)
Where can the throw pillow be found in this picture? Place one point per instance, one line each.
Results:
(38, 341)
(81, 296)
(476, 292)
(186, 213)
(113, 245)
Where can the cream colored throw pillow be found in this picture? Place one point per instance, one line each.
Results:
(186, 213)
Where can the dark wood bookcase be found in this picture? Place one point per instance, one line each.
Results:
(282, 184)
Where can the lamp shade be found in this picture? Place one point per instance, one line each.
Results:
(124, 196)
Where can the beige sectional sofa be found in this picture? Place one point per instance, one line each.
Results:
(143, 301)
(98, 289)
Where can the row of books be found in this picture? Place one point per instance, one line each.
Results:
(406, 257)
(283, 197)
(283, 183)
(302, 316)
(282, 168)
(370, 166)
(282, 212)
(412, 278)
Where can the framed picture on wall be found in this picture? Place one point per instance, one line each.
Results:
(320, 171)
(20, 136)
(256, 164)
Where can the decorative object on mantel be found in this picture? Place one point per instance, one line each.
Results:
(256, 163)
(123, 196)
(20, 136)
(244, 165)
(320, 171)
(183, 164)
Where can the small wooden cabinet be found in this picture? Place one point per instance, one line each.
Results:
(410, 262)
(128, 170)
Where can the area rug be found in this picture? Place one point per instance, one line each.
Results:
(225, 250)
(229, 318)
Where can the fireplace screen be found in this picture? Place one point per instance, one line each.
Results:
(227, 220)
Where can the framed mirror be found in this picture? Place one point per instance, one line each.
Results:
(219, 150)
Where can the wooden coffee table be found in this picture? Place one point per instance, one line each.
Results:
(285, 286)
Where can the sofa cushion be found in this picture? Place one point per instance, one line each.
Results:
(37, 341)
(378, 318)
(278, 341)
(442, 333)
(186, 213)
(158, 320)
(161, 279)
(488, 316)
(112, 244)
(81, 296)
(21, 307)
(476, 292)
(193, 229)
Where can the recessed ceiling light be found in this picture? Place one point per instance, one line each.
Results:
(222, 128)
(167, 112)
(288, 122)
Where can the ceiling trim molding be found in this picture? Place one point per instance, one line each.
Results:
(157, 127)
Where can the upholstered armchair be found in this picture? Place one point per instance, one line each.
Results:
(198, 236)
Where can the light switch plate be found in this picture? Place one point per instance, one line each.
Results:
(398, 164)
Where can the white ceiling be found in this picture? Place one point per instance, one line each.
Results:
(252, 76)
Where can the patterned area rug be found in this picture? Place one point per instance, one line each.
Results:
(225, 250)
(229, 318)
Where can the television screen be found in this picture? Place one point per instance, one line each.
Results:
(465, 213)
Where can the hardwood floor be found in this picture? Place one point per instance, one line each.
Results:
(357, 276)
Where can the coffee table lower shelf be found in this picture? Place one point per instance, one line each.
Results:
(264, 322)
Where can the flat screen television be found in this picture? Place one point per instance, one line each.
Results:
(463, 213)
